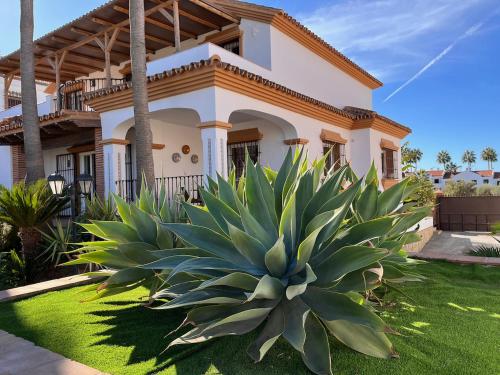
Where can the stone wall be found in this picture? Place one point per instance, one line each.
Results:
(417, 247)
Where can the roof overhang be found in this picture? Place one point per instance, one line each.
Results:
(215, 73)
(53, 125)
(83, 54)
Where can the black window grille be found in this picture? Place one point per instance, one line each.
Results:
(65, 165)
(236, 155)
(232, 46)
(337, 158)
(13, 99)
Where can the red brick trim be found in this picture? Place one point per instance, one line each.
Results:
(99, 163)
(18, 163)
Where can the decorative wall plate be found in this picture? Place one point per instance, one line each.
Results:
(176, 157)
(186, 149)
(194, 159)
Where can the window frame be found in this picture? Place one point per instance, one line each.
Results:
(393, 173)
(254, 149)
(337, 164)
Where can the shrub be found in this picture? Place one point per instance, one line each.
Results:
(460, 189)
(489, 251)
(488, 190)
(28, 207)
(293, 251)
(425, 195)
(12, 270)
(134, 238)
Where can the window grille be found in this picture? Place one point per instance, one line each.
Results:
(236, 155)
(389, 164)
(232, 46)
(337, 158)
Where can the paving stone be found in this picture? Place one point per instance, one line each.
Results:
(20, 357)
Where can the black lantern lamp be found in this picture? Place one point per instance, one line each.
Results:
(86, 182)
(56, 183)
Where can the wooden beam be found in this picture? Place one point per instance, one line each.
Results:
(193, 18)
(7, 82)
(155, 22)
(212, 9)
(89, 39)
(177, 26)
(88, 59)
(167, 15)
(61, 39)
(118, 42)
(126, 29)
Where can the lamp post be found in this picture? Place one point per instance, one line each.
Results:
(56, 183)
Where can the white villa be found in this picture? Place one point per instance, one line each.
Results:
(486, 177)
(222, 75)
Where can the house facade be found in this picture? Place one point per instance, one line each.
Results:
(479, 178)
(223, 76)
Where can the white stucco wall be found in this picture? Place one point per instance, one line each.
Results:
(5, 166)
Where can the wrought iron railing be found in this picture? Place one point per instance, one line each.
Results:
(390, 174)
(71, 93)
(187, 186)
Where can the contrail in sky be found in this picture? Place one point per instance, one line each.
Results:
(443, 53)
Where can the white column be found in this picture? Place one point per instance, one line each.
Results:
(114, 166)
(214, 139)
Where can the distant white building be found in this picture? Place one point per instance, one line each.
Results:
(485, 177)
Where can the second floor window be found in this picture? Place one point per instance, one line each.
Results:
(389, 164)
(236, 155)
(232, 46)
(336, 159)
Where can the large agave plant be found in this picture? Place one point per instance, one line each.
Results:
(290, 251)
(137, 238)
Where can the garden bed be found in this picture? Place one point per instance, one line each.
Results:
(449, 325)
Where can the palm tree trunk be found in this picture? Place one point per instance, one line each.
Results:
(144, 137)
(32, 142)
(30, 239)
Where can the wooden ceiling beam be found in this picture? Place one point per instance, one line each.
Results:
(212, 9)
(101, 33)
(154, 22)
(126, 29)
(193, 18)
(61, 39)
(118, 41)
(90, 61)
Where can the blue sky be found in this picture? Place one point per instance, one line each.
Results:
(453, 104)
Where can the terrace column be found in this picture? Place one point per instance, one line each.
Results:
(114, 165)
(214, 139)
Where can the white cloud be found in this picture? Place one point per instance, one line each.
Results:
(392, 37)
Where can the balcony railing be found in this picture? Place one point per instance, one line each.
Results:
(72, 92)
(187, 186)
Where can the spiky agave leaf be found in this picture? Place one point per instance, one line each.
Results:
(137, 238)
(289, 251)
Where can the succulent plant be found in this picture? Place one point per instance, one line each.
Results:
(292, 251)
(137, 238)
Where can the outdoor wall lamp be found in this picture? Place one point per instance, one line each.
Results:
(86, 182)
(56, 183)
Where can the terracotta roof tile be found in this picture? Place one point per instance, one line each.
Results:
(352, 113)
(487, 173)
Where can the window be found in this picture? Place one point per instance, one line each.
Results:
(389, 164)
(474, 182)
(13, 99)
(236, 155)
(336, 158)
(232, 46)
(486, 181)
(436, 180)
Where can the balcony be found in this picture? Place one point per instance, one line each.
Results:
(204, 52)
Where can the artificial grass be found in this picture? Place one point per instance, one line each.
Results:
(450, 325)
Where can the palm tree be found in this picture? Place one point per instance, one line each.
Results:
(416, 157)
(443, 158)
(469, 158)
(32, 141)
(452, 168)
(490, 156)
(144, 136)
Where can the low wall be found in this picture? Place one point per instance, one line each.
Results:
(425, 230)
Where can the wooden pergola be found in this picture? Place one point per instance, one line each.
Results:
(101, 38)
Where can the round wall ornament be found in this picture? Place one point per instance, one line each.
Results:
(176, 157)
(186, 149)
(194, 159)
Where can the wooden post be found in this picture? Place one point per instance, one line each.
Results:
(177, 30)
(56, 65)
(107, 46)
(7, 82)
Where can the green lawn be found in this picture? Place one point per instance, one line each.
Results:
(451, 326)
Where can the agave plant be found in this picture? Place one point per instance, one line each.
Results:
(134, 240)
(289, 250)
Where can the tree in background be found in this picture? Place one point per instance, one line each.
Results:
(490, 156)
(443, 158)
(469, 158)
(32, 142)
(410, 157)
(460, 189)
(425, 195)
(452, 168)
